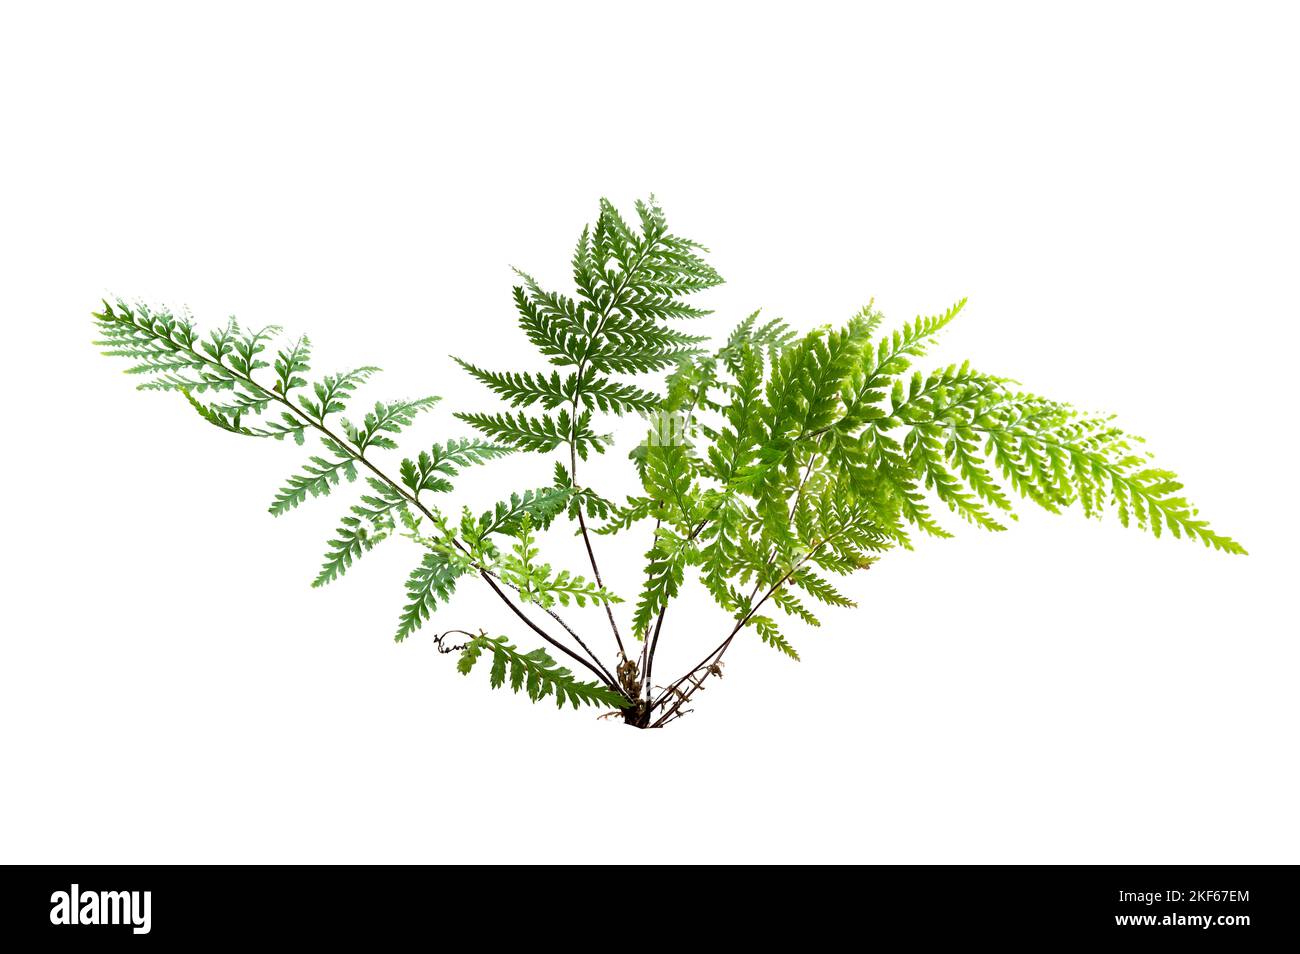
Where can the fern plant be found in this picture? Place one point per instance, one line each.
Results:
(772, 462)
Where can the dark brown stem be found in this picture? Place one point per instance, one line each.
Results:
(591, 555)
(650, 655)
(547, 610)
(646, 662)
(605, 678)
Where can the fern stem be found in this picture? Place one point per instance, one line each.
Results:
(646, 662)
(653, 645)
(600, 673)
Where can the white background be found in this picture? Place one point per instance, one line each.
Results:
(1113, 187)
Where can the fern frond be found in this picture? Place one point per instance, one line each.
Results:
(767, 340)
(523, 390)
(246, 348)
(522, 432)
(540, 434)
(632, 345)
(629, 284)
(1047, 452)
(535, 673)
(622, 517)
(892, 356)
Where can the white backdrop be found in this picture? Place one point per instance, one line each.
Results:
(1113, 187)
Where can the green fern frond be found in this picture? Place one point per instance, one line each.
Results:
(630, 284)
(535, 673)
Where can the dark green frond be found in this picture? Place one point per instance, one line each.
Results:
(535, 673)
